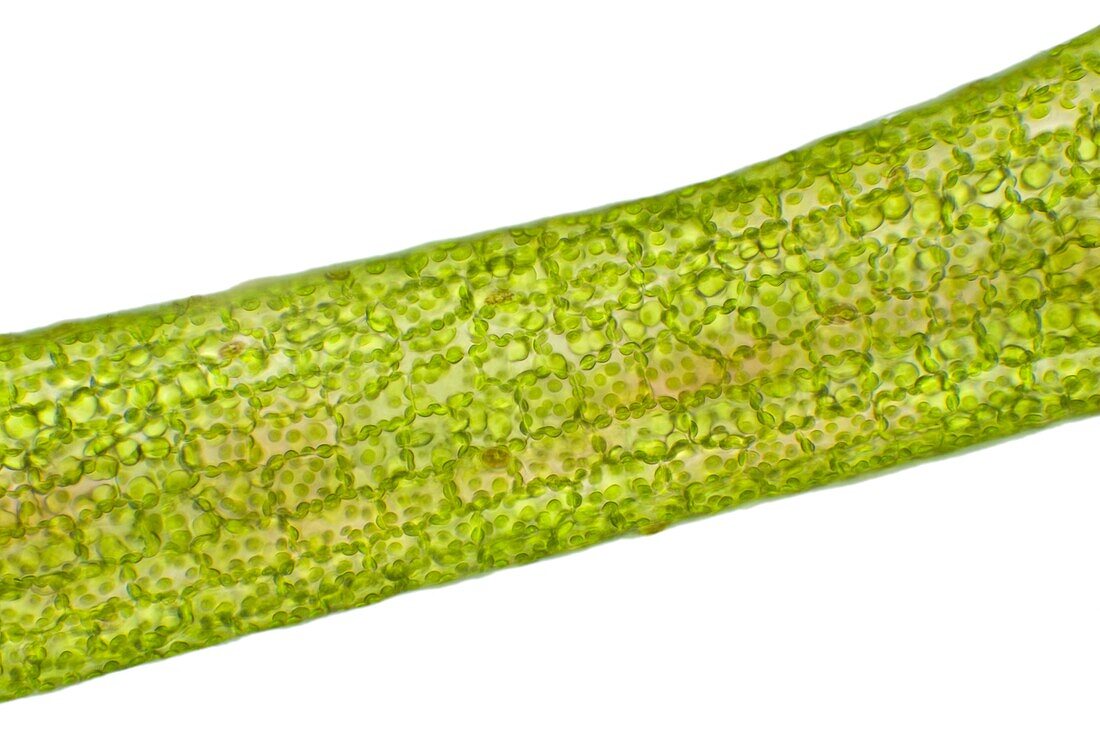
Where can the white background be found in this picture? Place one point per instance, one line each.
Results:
(150, 151)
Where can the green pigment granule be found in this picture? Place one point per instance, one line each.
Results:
(176, 476)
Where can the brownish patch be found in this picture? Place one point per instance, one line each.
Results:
(840, 313)
(231, 349)
(653, 528)
(495, 457)
(498, 296)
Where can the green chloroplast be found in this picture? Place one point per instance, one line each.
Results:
(179, 475)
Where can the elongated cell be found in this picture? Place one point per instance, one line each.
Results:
(180, 475)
